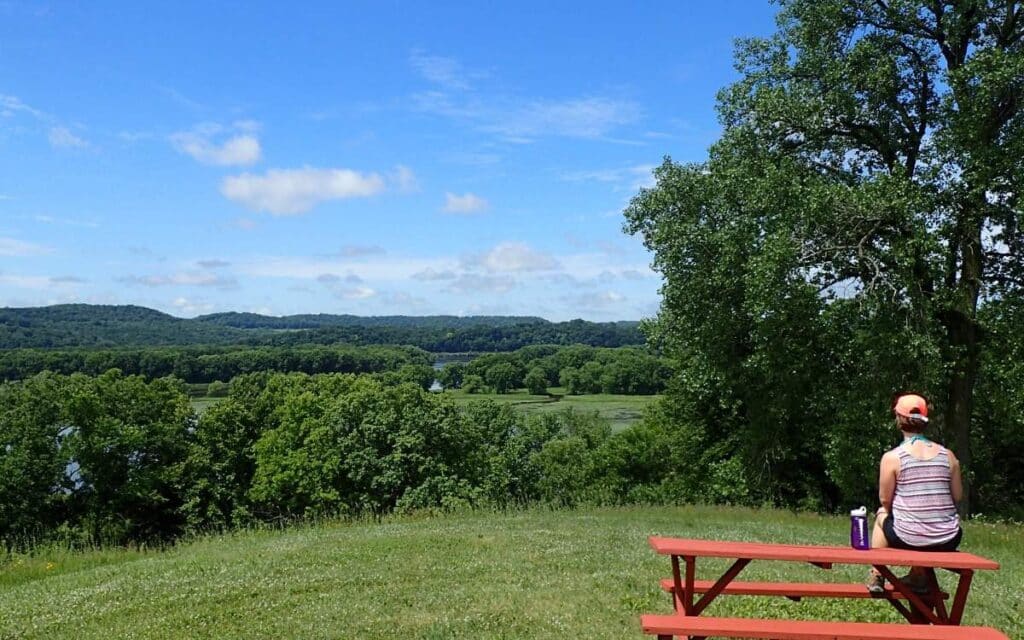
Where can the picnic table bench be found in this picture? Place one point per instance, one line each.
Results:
(927, 612)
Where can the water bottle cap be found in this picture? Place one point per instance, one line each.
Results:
(863, 511)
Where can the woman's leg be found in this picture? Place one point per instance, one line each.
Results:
(878, 539)
(875, 582)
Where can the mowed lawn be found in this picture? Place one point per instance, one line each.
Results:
(533, 574)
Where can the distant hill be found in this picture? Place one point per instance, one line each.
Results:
(97, 326)
(321, 320)
(86, 325)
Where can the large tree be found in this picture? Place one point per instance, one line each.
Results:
(863, 203)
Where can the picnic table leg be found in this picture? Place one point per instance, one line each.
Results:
(921, 609)
(691, 563)
(960, 599)
(936, 592)
(680, 601)
(682, 594)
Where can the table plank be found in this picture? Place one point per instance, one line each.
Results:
(956, 560)
(808, 630)
(795, 589)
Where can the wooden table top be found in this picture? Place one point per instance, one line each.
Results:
(820, 554)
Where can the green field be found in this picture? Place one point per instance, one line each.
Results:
(202, 403)
(620, 410)
(534, 574)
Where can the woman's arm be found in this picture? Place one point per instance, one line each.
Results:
(956, 482)
(887, 472)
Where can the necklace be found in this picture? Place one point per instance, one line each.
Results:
(916, 438)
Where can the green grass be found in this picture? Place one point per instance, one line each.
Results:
(202, 403)
(535, 574)
(621, 410)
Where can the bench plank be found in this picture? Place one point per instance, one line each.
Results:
(953, 560)
(793, 589)
(660, 625)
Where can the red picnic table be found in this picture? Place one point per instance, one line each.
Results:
(924, 608)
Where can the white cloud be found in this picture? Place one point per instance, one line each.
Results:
(26, 282)
(181, 98)
(404, 178)
(70, 222)
(386, 268)
(213, 263)
(10, 105)
(596, 300)
(62, 138)
(579, 117)
(294, 191)
(347, 288)
(522, 121)
(403, 299)
(358, 251)
(635, 177)
(191, 306)
(515, 118)
(333, 278)
(355, 293)
(447, 72)
(464, 204)
(473, 159)
(238, 150)
(478, 283)
(590, 266)
(429, 275)
(191, 279)
(513, 257)
(17, 248)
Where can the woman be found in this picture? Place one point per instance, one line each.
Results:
(919, 486)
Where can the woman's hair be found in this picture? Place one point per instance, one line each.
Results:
(910, 424)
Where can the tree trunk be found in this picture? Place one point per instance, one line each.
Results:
(962, 331)
(963, 339)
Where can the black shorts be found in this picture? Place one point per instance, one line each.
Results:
(896, 543)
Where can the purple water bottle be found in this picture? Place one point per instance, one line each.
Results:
(859, 529)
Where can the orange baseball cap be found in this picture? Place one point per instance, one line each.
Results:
(912, 406)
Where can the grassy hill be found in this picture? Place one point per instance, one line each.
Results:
(536, 574)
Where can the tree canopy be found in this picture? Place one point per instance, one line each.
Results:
(860, 210)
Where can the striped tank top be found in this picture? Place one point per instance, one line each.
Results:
(923, 510)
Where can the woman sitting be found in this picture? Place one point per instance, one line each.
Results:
(919, 486)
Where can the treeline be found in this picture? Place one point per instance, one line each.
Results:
(578, 369)
(114, 458)
(320, 320)
(207, 364)
(78, 325)
(472, 338)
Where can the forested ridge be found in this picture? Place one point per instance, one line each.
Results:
(81, 325)
(245, 320)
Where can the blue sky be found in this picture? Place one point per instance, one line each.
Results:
(368, 158)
